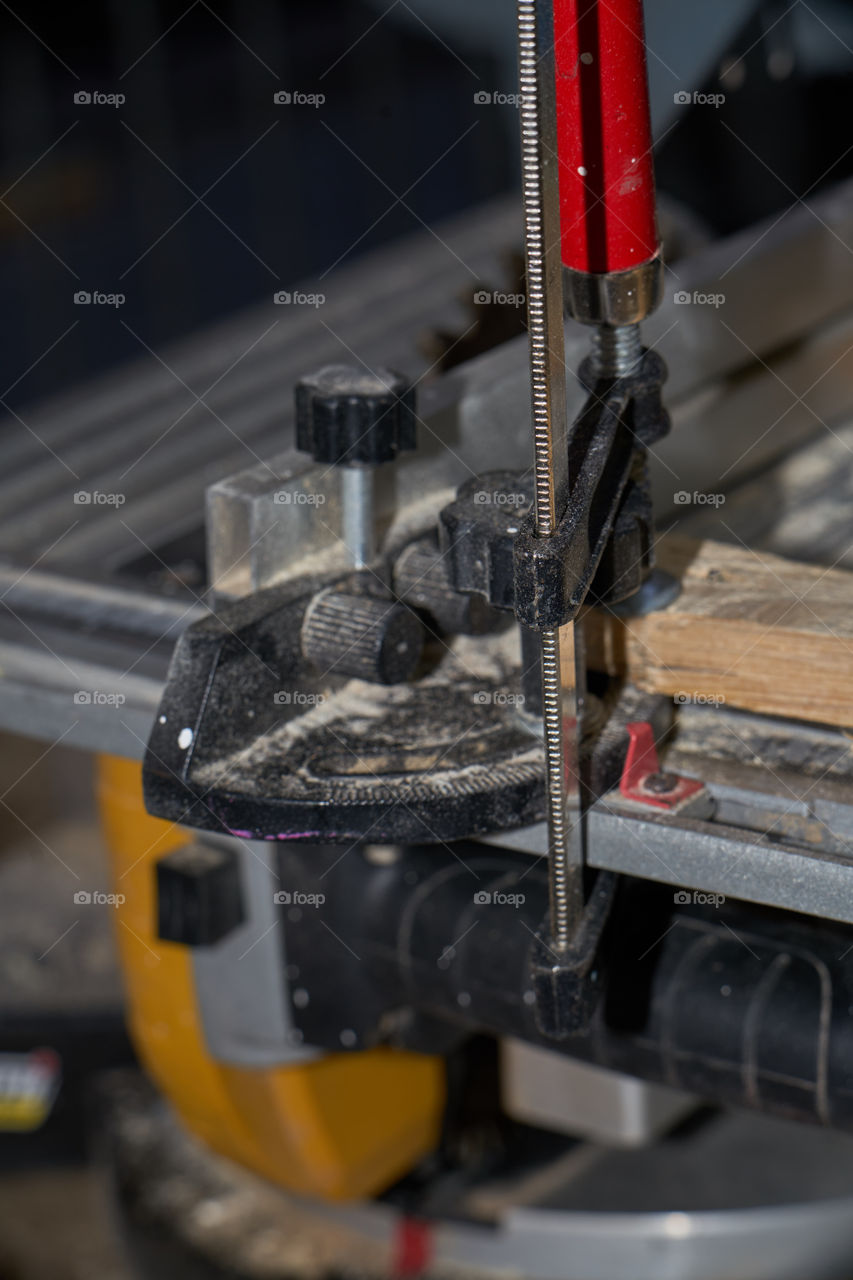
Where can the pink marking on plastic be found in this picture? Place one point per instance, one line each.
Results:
(283, 835)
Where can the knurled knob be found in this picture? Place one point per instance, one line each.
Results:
(422, 581)
(352, 417)
(362, 636)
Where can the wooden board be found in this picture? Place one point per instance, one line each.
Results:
(749, 629)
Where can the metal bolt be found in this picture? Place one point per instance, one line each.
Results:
(660, 783)
(357, 514)
(616, 350)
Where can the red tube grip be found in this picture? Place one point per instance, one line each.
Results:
(607, 188)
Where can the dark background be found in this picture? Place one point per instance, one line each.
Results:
(88, 193)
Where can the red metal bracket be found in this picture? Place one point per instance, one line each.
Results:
(642, 780)
(412, 1248)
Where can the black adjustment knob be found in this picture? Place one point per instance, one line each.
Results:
(347, 416)
(199, 898)
(421, 580)
(363, 636)
(477, 535)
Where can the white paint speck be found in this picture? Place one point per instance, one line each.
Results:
(582, 170)
(185, 738)
(162, 719)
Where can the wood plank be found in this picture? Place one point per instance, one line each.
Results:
(749, 629)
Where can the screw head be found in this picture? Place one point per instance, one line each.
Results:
(660, 783)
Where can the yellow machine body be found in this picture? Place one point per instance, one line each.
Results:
(340, 1127)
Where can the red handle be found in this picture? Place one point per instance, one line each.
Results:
(607, 187)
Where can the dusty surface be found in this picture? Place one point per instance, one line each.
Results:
(55, 1225)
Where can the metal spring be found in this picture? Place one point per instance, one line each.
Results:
(562, 899)
(547, 377)
(532, 183)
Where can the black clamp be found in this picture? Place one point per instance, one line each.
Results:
(477, 534)
(568, 984)
(603, 544)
